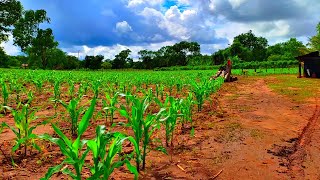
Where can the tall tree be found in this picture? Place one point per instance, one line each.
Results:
(147, 58)
(121, 59)
(251, 43)
(314, 41)
(27, 27)
(93, 62)
(3, 59)
(42, 43)
(285, 50)
(10, 12)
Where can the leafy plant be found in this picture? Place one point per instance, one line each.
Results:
(5, 93)
(200, 91)
(110, 105)
(186, 110)
(103, 159)
(74, 113)
(39, 84)
(171, 116)
(71, 149)
(23, 129)
(143, 128)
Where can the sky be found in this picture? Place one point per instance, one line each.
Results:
(105, 27)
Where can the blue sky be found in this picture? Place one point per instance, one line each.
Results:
(106, 27)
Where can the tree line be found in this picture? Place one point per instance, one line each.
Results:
(41, 50)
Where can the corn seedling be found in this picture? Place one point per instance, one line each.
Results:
(23, 129)
(95, 88)
(39, 84)
(71, 149)
(143, 127)
(71, 89)
(186, 110)
(200, 91)
(135, 119)
(74, 113)
(110, 106)
(103, 159)
(170, 120)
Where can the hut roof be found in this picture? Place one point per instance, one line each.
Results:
(309, 57)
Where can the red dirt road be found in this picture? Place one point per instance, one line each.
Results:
(289, 130)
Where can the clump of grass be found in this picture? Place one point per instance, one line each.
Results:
(232, 132)
(299, 90)
(257, 134)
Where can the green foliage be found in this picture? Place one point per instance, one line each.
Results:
(103, 164)
(142, 125)
(43, 42)
(110, 106)
(10, 12)
(121, 59)
(23, 129)
(74, 113)
(5, 93)
(314, 41)
(71, 149)
(27, 27)
(106, 65)
(93, 62)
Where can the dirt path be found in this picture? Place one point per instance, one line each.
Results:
(275, 125)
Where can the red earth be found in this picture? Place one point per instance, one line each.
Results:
(246, 131)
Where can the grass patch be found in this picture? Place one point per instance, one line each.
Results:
(298, 89)
(232, 132)
(257, 134)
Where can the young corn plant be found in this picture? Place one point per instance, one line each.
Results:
(5, 95)
(39, 84)
(110, 106)
(74, 113)
(171, 114)
(71, 149)
(186, 111)
(143, 127)
(71, 89)
(103, 159)
(23, 128)
(17, 89)
(200, 92)
(95, 88)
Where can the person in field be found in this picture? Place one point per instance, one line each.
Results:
(225, 72)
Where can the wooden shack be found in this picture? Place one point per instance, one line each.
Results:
(310, 64)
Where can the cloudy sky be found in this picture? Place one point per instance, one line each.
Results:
(106, 27)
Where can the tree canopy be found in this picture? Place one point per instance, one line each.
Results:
(10, 12)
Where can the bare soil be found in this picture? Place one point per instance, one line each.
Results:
(246, 131)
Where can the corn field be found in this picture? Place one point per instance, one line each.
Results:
(112, 118)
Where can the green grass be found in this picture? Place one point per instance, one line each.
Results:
(298, 89)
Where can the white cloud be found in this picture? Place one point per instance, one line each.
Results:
(189, 24)
(9, 48)
(136, 3)
(109, 52)
(274, 31)
(236, 3)
(123, 27)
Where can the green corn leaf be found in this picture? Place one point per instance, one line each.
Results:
(52, 171)
(62, 136)
(84, 123)
(70, 173)
(132, 169)
(93, 146)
